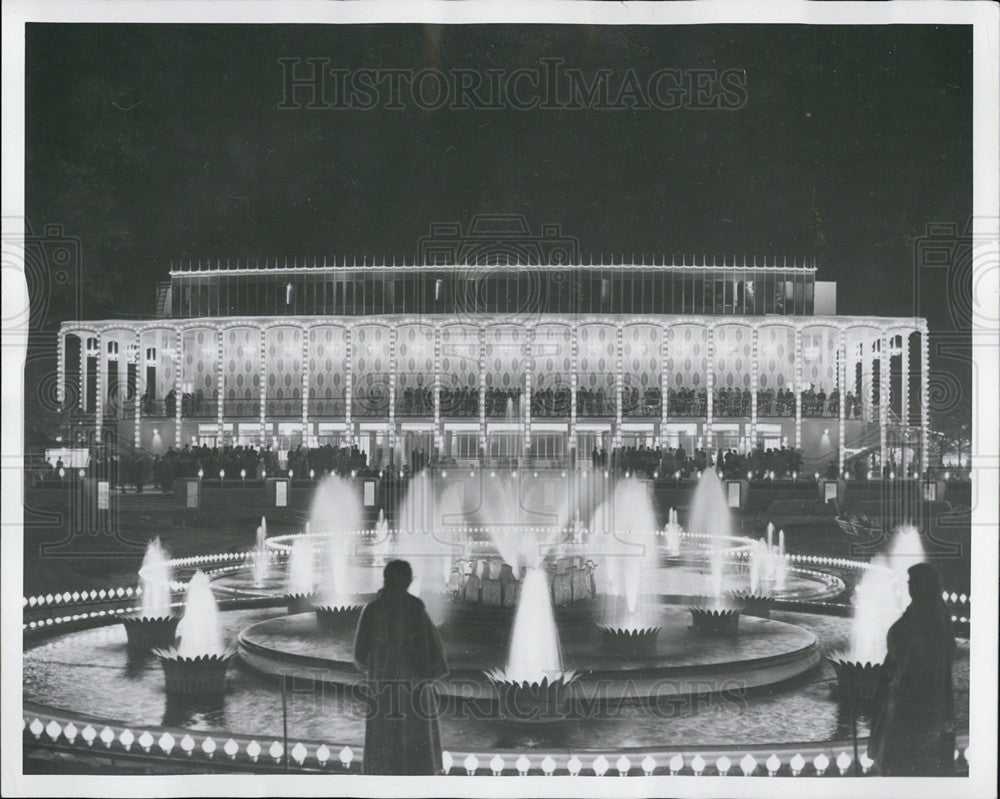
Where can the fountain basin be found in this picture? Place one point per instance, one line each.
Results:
(857, 682)
(716, 619)
(201, 678)
(630, 642)
(149, 632)
(338, 619)
(684, 661)
(752, 604)
(300, 603)
(539, 702)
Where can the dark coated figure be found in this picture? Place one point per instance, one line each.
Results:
(399, 649)
(913, 731)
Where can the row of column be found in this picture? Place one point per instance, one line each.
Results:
(525, 418)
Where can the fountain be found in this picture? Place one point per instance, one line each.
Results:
(195, 669)
(880, 599)
(552, 657)
(155, 624)
(533, 685)
(301, 588)
(336, 514)
(538, 611)
(713, 614)
(382, 541)
(672, 532)
(261, 557)
(629, 622)
(767, 570)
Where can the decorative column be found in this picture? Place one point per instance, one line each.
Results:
(482, 391)
(122, 387)
(710, 389)
(84, 374)
(220, 377)
(619, 365)
(393, 367)
(262, 368)
(99, 389)
(436, 392)
(528, 368)
(904, 383)
(925, 356)
(349, 386)
(664, 386)
(61, 370)
(306, 378)
(868, 377)
(798, 387)
(178, 387)
(574, 384)
(842, 392)
(139, 385)
(754, 385)
(883, 397)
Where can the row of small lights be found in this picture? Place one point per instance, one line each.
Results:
(127, 592)
(600, 765)
(281, 548)
(769, 475)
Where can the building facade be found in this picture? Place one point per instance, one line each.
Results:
(504, 362)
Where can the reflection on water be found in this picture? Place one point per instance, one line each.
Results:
(195, 717)
(83, 672)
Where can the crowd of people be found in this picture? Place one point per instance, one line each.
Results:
(670, 461)
(557, 402)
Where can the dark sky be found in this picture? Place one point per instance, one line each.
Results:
(156, 143)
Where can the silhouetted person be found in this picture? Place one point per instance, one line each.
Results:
(913, 731)
(398, 648)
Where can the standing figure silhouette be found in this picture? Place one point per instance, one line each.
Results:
(399, 649)
(913, 731)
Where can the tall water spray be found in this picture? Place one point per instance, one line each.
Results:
(630, 545)
(336, 514)
(154, 581)
(882, 596)
(781, 564)
(198, 630)
(450, 529)
(261, 557)
(534, 642)
(672, 533)
(710, 520)
(757, 565)
(423, 538)
(382, 543)
(301, 579)
(520, 540)
(907, 550)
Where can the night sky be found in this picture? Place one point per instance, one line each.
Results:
(158, 143)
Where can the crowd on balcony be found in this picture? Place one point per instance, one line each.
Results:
(545, 402)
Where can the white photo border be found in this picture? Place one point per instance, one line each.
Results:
(982, 16)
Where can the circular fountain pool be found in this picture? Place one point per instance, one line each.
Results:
(683, 662)
(88, 674)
